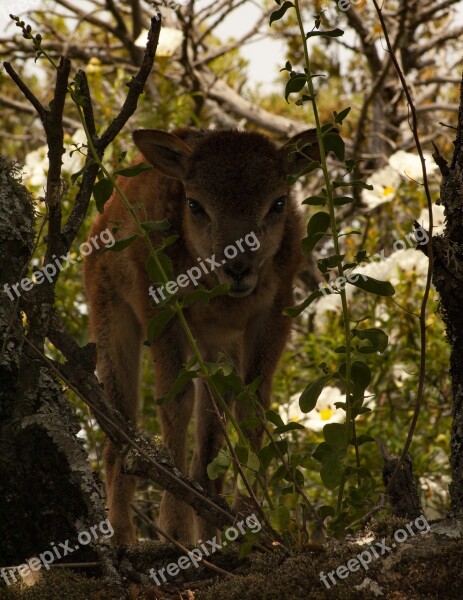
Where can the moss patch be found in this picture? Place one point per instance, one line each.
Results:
(424, 567)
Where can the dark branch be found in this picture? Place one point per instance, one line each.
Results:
(136, 86)
(53, 125)
(26, 91)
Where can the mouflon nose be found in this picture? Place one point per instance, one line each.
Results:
(237, 270)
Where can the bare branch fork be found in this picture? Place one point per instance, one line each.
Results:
(142, 458)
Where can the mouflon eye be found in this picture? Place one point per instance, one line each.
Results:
(278, 205)
(195, 206)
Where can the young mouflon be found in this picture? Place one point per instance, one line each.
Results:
(217, 189)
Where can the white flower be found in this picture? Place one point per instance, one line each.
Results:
(385, 183)
(437, 217)
(169, 41)
(409, 261)
(36, 167)
(401, 261)
(323, 413)
(409, 165)
(36, 162)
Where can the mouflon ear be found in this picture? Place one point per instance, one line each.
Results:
(307, 142)
(165, 151)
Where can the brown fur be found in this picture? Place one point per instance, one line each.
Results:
(236, 177)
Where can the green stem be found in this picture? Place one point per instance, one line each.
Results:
(335, 233)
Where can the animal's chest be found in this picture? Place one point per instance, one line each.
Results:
(218, 330)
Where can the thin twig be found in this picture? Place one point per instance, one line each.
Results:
(414, 129)
(248, 486)
(26, 91)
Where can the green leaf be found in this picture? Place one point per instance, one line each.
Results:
(289, 499)
(310, 395)
(316, 229)
(75, 176)
(291, 179)
(331, 33)
(323, 451)
(266, 455)
(332, 469)
(168, 241)
(303, 100)
(203, 295)
(287, 67)
(274, 418)
(255, 384)
(335, 434)
(253, 463)
(183, 378)
(361, 410)
(363, 439)
(360, 374)
(333, 142)
(375, 336)
(339, 117)
(158, 323)
(315, 201)
(341, 200)
(156, 225)
(219, 466)
(288, 427)
(326, 127)
(326, 511)
(121, 244)
(374, 286)
(294, 311)
(280, 519)
(133, 170)
(295, 84)
(102, 192)
(330, 262)
(332, 472)
(354, 183)
(154, 272)
(280, 13)
(269, 452)
(166, 264)
(250, 422)
(226, 382)
(242, 453)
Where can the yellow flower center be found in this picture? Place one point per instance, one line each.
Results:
(387, 190)
(326, 413)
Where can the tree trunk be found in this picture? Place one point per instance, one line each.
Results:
(47, 490)
(448, 279)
